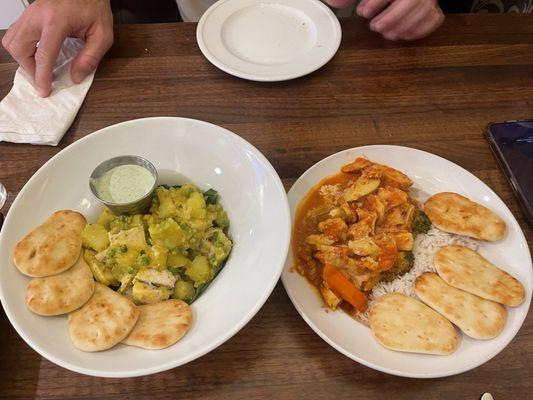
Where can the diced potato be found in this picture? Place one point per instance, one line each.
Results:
(95, 236)
(106, 217)
(100, 272)
(147, 294)
(166, 208)
(157, 256)
(200, 271)
(361, 188)
(177, 260)
(196, 203)
(183, 290)
(169, 234)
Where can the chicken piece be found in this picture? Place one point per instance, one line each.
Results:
(349, 209)
(368, 263)
(364, 226)
(400, 217)
(316, 240)
(364, 247)
(125, 282)
(333, 228)
(145, 293)
(360, 188)
(404, 240)
(392, 197)
(156, 277)
(393, 177)
(374, 204)
(330, 298)
(388, 254)
(330, 193)
(357, 165)
(373, 172)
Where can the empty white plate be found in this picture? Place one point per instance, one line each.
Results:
(269, 40)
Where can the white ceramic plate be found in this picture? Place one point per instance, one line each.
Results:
(431, 174)
(210, 156)
(269, 40)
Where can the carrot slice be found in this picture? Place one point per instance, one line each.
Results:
(344, 288)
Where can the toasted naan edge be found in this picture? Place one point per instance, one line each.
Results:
(466, 269)
(402, 323)
(52, 247)
(105, 320)
(62, 293)
(160, 325)
(454, 213)
(476, 317)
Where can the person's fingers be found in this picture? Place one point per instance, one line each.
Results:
(370, 8)
(426, 24)
(10, 33)
(408, 24)
(393, 15)
(22, 48)
(45, 57)
(96, 45)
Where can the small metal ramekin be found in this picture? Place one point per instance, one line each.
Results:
(134, 207)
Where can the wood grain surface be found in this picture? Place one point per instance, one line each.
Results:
(436, 94)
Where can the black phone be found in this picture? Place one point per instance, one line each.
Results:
(512, 144)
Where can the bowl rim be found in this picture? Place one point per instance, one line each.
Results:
(204, 350)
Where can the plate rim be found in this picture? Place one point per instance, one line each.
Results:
(264, 78)
(345, 352)
(217, 343)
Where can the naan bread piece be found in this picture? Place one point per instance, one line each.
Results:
(52, 247)
(105, 320)
(402, 323)
(62, 293)
(454, 213)
(476, 317)
(466, 269)
(160, 325)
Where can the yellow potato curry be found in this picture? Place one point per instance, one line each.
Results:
(175, 250)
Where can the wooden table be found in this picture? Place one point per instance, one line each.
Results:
(437, 95)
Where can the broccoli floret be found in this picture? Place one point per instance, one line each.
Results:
(421, 223)
(406, 260)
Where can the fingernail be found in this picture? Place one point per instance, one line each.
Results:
(42, 92)
(361, 11)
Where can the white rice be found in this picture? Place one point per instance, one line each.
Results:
(426, 245)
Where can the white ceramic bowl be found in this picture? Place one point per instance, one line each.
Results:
(181, 149)
(431, 174)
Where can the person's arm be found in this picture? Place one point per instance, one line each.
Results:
(398, 19)
(49, 22)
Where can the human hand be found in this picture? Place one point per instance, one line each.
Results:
(49, 22)
(398, 19)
